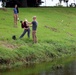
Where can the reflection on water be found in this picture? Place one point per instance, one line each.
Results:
(70, 69)
(43, 69)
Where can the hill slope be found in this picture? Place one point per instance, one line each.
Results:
(56, 35)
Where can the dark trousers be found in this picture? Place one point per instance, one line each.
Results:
(24, 32)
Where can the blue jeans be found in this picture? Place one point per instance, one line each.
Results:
(24, 32)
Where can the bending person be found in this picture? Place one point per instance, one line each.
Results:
(26, 28)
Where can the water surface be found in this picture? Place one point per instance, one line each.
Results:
(68, 68)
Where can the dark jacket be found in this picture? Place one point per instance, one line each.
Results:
(24, 25)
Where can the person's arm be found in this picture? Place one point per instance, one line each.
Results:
(25, 28)
(27, 23)
(30, 23)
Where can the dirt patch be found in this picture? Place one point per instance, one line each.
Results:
(69, 34)
(8, 45)
(51, 28)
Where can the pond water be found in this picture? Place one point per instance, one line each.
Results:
(68, 68)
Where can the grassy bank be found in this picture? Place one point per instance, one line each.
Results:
(56, 36)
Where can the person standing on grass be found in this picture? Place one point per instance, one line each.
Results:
(15, 15)
(34, 29)
(26, 28)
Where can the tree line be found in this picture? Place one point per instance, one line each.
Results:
(29, 3)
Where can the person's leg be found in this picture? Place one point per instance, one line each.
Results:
(28, 33)
(24, 32)
(33, 35)
(15, 20)
(35, 38)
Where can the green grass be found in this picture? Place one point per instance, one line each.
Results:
(56, 35)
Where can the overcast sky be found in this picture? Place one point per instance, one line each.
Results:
(54, 2)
